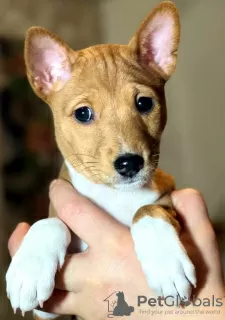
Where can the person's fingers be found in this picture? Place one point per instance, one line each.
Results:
(85, 219)
(17, 237)
(61, 303)
(74, 273)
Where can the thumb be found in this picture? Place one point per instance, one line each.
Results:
(199, 231)
(192, 210)
(85, 219)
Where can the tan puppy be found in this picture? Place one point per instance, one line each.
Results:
(109, 111)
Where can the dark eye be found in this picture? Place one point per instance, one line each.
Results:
(84, 114)
(144, 104)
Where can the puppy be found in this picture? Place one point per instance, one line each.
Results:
(109, 111)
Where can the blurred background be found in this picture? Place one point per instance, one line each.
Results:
(193, 147)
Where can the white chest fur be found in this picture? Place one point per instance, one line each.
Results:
(122, 205)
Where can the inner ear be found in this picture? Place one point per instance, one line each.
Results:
(156, 42)
(47, 60)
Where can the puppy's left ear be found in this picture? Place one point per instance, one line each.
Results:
(48, 61)
(156, 42)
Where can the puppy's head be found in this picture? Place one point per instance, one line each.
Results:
(108, 101)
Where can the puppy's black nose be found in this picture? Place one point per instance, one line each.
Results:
(129, 165)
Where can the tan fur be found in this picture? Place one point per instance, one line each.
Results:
(162, 182)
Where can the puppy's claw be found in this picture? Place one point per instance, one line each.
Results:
(23, 313)
(14, 310)
(41, 304)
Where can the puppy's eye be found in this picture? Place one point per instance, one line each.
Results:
(144, 104)
(84, 114)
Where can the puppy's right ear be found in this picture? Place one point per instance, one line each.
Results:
(48, 61)
(156, 41)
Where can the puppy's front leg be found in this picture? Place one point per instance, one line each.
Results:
(31, 275)
(168, 269)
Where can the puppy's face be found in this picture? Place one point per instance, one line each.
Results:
(108, 101)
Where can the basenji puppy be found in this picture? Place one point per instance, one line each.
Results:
(109, 110)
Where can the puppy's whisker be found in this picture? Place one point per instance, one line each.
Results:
(155, 155)
(93, 176)
(82, 155)
(99, 172)
(82, 167)
(83, 164)
(86, 168)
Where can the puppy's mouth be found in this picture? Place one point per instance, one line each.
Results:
(130, 185)
(136, 182)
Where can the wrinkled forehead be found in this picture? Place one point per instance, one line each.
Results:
(109, 73)
(110, 67)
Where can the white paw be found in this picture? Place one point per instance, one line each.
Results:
(30, 278)
(168, 270)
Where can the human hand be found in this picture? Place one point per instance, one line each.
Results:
(110, 263)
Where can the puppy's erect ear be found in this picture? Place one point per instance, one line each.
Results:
(156, 41)
(48, 61)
